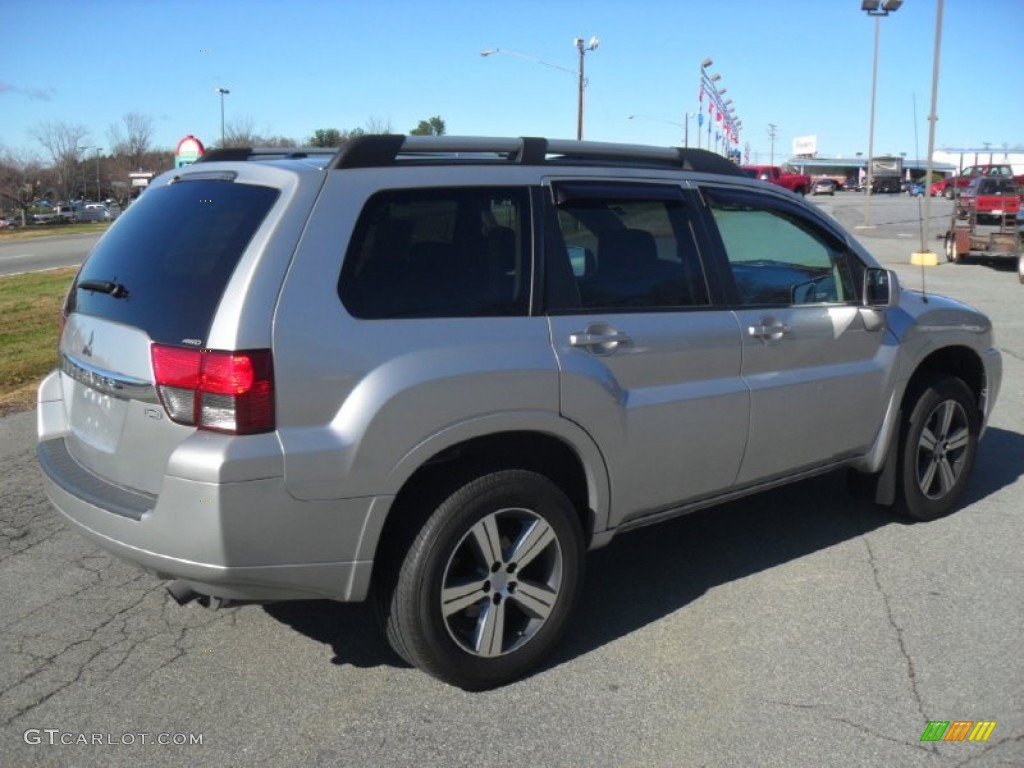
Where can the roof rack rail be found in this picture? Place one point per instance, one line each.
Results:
(391, 149)
(249, 153)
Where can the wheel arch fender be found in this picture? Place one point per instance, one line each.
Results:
(960, 361)
(543, 442)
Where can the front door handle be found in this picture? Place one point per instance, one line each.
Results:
(599, 339)
(769, 329)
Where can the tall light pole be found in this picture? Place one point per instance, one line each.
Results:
(707, 62)
(713, 79)
(578, 73)
(876, 8)
(933, 117)
(773, 131)
(726, 115)
(223, 92)
(582, 48)
(84, 149)
(99, 196)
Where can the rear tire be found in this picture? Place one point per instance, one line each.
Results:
(938, 445)
(952, 253)
(489, 584)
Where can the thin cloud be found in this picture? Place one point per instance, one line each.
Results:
(32, 94)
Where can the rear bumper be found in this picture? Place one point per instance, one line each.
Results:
(223, 520)
(238, 541)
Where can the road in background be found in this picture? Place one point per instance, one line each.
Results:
(37, 253)
(796, 628)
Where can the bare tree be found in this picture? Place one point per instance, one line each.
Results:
(378, 125)
(276, 141)
(240, 132)
(135, 140)
(64, 143)
(22, 178)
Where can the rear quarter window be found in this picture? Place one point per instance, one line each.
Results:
(173, 251)
(440, 252)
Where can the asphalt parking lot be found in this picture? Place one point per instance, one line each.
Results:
(798, 628)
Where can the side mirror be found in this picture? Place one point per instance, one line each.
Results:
(881, 288)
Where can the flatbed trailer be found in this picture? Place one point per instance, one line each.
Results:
(998, 239)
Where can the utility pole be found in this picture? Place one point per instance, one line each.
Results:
(773, 131)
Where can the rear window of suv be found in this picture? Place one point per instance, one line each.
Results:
(173, 253)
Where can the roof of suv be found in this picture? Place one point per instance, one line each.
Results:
(390, 150)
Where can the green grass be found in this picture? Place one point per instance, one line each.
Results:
(29, 308)
(51, 230)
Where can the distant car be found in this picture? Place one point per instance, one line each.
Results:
(887, 185)
(8, 222)
(913, 188)
(93, 212)
(824, 187)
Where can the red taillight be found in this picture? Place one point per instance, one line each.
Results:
(222, 391)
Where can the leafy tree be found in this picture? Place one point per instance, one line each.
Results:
(433, 127)
(326, 137)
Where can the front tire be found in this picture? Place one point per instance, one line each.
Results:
(938, 445)
(489, 584)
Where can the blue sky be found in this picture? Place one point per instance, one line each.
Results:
(296, 65)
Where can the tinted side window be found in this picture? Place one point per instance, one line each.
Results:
(174, 251)
(779, 258)
(461, 252)
(632, 253)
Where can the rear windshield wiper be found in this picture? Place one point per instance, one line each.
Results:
(117, 290)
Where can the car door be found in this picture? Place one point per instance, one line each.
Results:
(818, 363)
(649, 365)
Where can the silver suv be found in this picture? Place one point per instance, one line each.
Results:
(436, 371)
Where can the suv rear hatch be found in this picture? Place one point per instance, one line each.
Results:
(150, 291)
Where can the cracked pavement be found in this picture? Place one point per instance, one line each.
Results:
(797, 628)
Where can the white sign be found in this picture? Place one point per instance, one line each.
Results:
(805, 145)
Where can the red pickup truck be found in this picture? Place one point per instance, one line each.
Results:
(797, 182)
(991, 198)
(954, 185)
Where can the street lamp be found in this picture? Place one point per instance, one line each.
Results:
(876, 8)
(85, 158)
(223, 92)
(685, 126)
(582, 47)
(99, 196)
